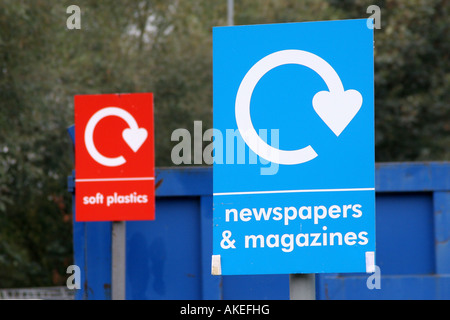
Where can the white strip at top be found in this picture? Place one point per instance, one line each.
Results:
(291, 191)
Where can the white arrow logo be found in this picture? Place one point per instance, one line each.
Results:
(133, 136)
(336, 107)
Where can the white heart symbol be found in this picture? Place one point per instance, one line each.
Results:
(337, 109)
(135, 137)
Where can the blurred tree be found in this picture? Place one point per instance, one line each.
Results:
(34, 218)
(412, 79)
(165, 47)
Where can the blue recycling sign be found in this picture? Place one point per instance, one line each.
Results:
(294, 159)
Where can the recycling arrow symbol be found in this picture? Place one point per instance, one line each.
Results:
(133, 136)
(336, 107)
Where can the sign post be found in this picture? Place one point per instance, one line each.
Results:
(114, 163)
(302, 286)
(118, 258)
(294, 187)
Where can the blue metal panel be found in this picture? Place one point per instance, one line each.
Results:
(405, 287)
(413, 176)
(404, 227)
(71, 131)
(211, 285)
(163, 256)
(92, 250)
(442, 230)
(413, 232)
(170, 258)
(97, 253)
(183, 182)
(92, 253)
(258, 287)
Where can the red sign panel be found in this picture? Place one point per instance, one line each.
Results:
(114, 157)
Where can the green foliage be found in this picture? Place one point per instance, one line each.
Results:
(165, 47)
(34, 209)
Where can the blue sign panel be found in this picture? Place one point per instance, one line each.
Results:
(294, 188)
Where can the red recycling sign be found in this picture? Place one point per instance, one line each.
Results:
(114, 157)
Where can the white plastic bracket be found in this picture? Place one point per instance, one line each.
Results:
(216, 267)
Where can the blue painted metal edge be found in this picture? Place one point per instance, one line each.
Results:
(412, 176)
(183, 181)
